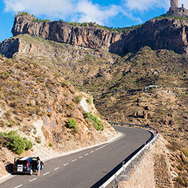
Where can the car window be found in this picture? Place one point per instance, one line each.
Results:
(22, 162)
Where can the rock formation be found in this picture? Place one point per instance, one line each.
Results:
(60, 31)
(168, 33)
(177, 11)
(174, 3)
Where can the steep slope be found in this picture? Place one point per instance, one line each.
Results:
(119, 86)
(47, 110)
(146, 87)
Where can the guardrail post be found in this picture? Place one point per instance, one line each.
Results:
(123, 163)
(115, 179)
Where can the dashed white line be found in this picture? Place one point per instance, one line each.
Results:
(73, 160)
(46, 173)
(19, 186)
(86, 154)
(91, 151)
(100, 147)
(80, 157)
(56, 168)
(66, 164)
(32, 180)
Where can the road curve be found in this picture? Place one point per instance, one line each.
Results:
(85, 169)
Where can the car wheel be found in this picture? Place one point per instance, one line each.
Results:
(30, 172)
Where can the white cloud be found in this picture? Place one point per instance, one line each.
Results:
(86, 10)
(77, 10)
(145, 5)
(52, 8)
(93, 12)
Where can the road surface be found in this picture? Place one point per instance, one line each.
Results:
(85, 169)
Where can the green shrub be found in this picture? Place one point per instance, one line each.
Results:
(23, 13)
(64, 84)
(5, 74)
(15, 142)
(89, 101)
(78, 99)
(185, 151)
(95, 121)
(38, 140)
(28, 144)
(50, 144)
(71, 123)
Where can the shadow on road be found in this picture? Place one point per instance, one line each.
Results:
(111, 173)
(9, 168)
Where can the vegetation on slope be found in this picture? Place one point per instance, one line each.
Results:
(30, 92)
(118, 85)
(86, 24)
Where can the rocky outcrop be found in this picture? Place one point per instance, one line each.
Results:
(60, 31)
(156, 33)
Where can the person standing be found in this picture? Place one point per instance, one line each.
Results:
(38, 166)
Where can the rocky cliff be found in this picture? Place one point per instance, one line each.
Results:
(166, 33)
(60, 31)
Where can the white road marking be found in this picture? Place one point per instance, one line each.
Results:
(19, 186)
(32, 180)
(46, 173)
(66, 164)
(91, 151)
(56, 168)
(73, 160)
(80, 157)
(101, 147)
(86, 154)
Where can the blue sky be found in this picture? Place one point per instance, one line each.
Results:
(112, 13)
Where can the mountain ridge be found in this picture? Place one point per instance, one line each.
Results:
(154, 33)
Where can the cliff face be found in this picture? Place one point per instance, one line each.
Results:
(156, 33)
(60, 31)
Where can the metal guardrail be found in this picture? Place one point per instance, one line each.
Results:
(139, 153)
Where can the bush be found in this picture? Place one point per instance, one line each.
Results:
(185, 151)
(38, 140)
(64, 84)
(95, 121)
(78, 99)
(50, 144)
(5, 74)
(72, 123)
(89, 101)
(23, 13)
(15, 142)
(28, 144)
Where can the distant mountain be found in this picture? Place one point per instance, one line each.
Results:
(166, 33)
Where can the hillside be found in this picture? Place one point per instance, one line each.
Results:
(145, 85)
(46, 110)
(118, 86)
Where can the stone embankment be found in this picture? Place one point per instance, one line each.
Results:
(150, 171)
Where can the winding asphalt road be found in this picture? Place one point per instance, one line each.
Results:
(85, 169)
